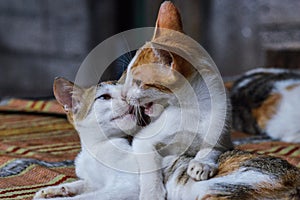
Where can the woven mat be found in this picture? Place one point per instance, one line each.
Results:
(38, 106)
(39, 150)
(287, 151)
(35, 150)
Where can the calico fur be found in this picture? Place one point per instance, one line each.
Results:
(266, 101)
(241, 175)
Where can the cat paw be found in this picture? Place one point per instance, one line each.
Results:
(199, 171)
(52, 192)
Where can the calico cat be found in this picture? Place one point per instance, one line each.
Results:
(101, 117)
(266, 101)
(157, 77)
(241, 175)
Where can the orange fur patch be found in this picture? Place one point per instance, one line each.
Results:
(144, 73)
(146, 56)
(168, 18)
(161, 70)
(156, 86)
(267, 110)
(170, 67)
(232, 161)
(154, 70)
(87, 100)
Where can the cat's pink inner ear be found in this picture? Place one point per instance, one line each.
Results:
(168, 18)
(63, 90)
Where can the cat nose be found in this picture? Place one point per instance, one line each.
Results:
(132, 101)
(128, 99)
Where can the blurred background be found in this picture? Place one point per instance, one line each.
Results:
(43, 39)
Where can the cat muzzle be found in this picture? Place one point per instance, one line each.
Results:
(142, 119)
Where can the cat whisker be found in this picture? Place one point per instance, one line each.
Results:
(143, 118)
(141, 114)
(136, 113)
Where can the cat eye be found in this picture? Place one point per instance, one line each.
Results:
(104, 97)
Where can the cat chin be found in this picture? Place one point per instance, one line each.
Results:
(126, 122)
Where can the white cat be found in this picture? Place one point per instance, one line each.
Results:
(99, 115)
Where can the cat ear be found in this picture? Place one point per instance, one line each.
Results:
(123, 77)
(174, 62)
(64, 93)
(75, 100)
(168, 18)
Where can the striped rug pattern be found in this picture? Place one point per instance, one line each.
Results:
(288, 151)
(50, 106)
(37, 151)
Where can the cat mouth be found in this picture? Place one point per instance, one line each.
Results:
(136, 113)
(142, 118)
(129, 112)
(148, 108)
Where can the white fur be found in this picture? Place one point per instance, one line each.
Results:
(105, 165)
(258, 70)
(267, 70)
(244, 82)
(285, 124)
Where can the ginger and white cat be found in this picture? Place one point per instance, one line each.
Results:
(196, 110)
(101, 117)
(266, 101)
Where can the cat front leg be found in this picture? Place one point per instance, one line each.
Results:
(63, 190)
(204, 165)
(151, 186)
(151, 178)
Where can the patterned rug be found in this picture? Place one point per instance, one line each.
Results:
(287, 151)
(38, 147)
(38, 106)
(36, 150)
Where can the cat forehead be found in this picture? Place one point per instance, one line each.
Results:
(111, 87)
